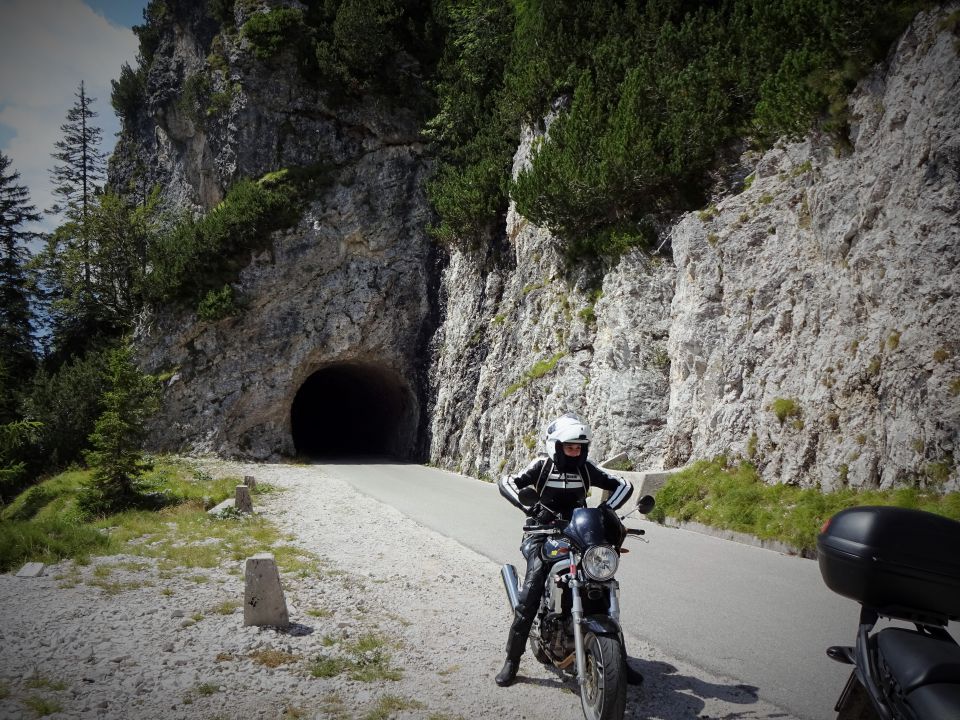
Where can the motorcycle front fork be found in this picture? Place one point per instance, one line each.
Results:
(577, 615)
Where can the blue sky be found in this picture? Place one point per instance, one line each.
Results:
(46, 48)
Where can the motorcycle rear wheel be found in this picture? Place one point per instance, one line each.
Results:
(603, 692)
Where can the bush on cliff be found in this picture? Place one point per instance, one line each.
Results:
(200, 255)
(646, 98)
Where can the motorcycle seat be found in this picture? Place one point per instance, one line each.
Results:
(935, 702)
(916, 660)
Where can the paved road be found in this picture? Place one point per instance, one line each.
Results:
(760, 618)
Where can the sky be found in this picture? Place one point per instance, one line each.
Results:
(46, 48)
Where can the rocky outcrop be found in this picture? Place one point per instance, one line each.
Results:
(524, 340)
(810, 323)
(346, 288)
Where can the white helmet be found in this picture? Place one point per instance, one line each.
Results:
(567, 428)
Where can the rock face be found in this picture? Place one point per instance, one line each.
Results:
(523, 342)
(810, 323)
(337, 312)
(816, 319)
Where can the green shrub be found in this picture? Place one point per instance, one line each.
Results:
(156, 18)
(194, 97)
(217, 304)
(66, 402)
(201, 255)
(536, 371)
(127, 94)
(785, 408)
(272, 32)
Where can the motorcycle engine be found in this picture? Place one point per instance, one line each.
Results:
(553, 632)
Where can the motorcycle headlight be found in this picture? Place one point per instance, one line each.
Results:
(600, 562)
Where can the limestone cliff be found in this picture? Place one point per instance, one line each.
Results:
(809, 322)
(345, 290)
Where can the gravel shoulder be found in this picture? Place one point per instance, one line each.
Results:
(414, 622)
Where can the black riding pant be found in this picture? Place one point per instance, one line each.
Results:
(530, 595)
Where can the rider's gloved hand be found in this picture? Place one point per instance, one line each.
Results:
(544, 515)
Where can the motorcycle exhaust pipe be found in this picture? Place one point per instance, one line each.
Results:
(510, 583)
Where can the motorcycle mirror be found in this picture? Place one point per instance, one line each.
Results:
(646, 504)
(528, 496)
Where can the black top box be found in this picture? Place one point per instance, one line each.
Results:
(902, 563)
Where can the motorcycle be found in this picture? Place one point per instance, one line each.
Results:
(577, 627)
(904, 565)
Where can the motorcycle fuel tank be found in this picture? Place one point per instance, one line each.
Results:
(903, 563)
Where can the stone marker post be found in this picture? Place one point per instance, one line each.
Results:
(250, 481)
(31, 570)
(244, 503)
(263, 602)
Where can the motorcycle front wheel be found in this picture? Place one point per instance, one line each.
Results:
(603, 692)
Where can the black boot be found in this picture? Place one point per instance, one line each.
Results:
(509, 672)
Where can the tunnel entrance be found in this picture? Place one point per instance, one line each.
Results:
(351, 410)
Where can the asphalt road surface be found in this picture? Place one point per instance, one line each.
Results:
(755, 616)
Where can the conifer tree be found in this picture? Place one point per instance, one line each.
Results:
(117, 458)
(17, 357)
(67, 263)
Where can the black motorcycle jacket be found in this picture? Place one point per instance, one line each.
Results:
(561, 492)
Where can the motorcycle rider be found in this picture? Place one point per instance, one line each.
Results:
(563, 480)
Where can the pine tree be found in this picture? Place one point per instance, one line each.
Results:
(117, 458)
(81, 162)
(67, 262)
(17, 355)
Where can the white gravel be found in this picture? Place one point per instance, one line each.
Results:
(146, 652)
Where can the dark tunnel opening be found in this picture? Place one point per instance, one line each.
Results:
(351, 410)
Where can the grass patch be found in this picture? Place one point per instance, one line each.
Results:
(39, 682)
(536, 371)
(49, 541)
(328, 667)
(273, 658)
(42, 707)
(735, 498)
(43, 524)
(227, 607)
(366, 660)
(388, 705)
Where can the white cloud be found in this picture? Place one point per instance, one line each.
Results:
(46, 48)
